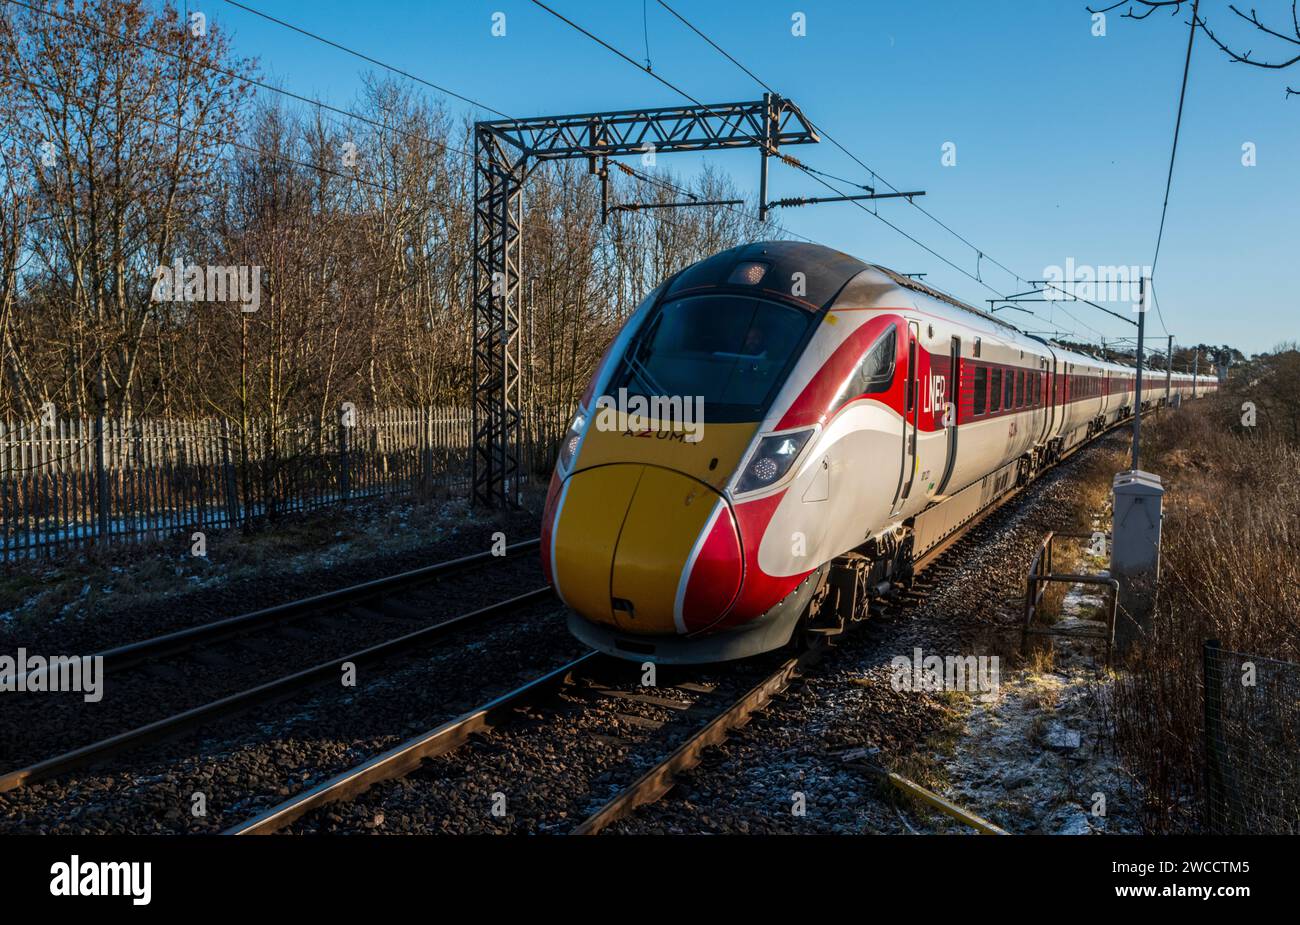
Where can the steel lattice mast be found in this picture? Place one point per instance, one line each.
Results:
(505, 151)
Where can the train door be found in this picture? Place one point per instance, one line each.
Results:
(911, 412)
(952, 401)
(1046, 406)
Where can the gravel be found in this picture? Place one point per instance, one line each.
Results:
(242, 764)
(848, 708)
(40, 724)
(796, 767)
(96, 623)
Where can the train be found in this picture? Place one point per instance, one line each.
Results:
(781, 430)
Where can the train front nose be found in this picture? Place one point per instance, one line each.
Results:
(644, 550)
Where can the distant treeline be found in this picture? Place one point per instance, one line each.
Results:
(130, 143)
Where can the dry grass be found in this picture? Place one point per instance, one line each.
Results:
(926, 766)
(1230, 570)
(1043, 697)
(1042, 657)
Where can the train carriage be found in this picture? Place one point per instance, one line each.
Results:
(849, 420)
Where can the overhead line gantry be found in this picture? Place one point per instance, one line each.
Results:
(505, 152)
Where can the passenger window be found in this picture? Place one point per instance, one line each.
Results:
(1009, 397)
(981, 389)
(995, 394)
(1020, 388)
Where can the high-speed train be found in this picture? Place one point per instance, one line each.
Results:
(852, 418)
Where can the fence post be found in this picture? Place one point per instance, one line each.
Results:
(345, 476)
(1213, 715)
(426, 452)
(228, 476)
(101, 474)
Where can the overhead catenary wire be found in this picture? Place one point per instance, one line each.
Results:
(323, 105)
(980, 252)
(220, 142)
(793, 162)
(821, 130)
(817, 174)
(252, 81)
(368, 58)
(676, 89)
(1173, 150)
(234, 75)
(440, 88)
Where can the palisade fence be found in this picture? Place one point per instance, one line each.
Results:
(1252, 743)
(72, 483)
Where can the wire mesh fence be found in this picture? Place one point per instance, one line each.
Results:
(1252, 743)
(66, 484)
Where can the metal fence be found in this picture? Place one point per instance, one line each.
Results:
(69, 483)
(1252, 743)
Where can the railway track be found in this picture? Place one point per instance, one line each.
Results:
(385, 596)
(579, 684)
(659, 779)
(698, 715)
(380, 591)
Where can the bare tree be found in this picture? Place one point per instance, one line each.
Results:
(1284, 37)
(130, 142)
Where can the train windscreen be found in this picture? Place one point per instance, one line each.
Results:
(732, 351)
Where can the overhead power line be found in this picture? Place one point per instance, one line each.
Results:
(815, 173)
(972, 276)
(821, 130)
(980, 253)
(442, 89)
(261, 152)
(798, 165)
(243, 78)
(1173, 151)
(364, 57)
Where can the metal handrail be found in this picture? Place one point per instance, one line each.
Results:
(1041, 574)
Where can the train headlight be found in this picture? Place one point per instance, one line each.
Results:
(569, 445)
(772, 459)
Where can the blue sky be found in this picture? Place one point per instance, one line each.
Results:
(1062, 138)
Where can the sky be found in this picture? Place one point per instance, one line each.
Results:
(1062, 137)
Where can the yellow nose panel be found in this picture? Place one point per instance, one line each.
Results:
(712, 459)
(624, 533)
(586, 535)
(667, 515)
